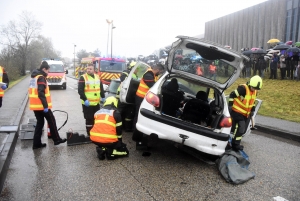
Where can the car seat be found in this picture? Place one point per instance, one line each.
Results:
(171, 98)
(197, 110)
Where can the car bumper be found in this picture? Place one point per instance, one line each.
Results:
(200, 138)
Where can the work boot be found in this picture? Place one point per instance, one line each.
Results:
(109, 155)
(63, 140)
(100, 152)
(236, 145)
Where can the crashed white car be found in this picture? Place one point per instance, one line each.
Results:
(200, 122)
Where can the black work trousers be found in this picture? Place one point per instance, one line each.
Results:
(127, 114)
(88, 113)
(137, 136)
(1, 101)
(238, 126)
(40, 117)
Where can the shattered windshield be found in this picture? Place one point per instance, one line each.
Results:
(190, 61)
(56, 68)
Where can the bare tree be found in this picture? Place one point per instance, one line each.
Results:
(19, 35)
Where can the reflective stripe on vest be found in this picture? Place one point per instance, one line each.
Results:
(92, 89)
(35, 102)
(1, 79)
(143, 88)
(244, 105)
(104, 129)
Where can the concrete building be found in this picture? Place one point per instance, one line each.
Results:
(254, 26)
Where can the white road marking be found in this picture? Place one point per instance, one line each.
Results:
(278, 198)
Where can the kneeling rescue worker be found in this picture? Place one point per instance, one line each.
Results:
(241, 107)
(107, 131)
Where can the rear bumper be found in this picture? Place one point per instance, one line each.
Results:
(167, 128)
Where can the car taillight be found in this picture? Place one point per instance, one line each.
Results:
(153, 99)
(226, 122)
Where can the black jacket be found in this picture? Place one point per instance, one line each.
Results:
(5, 78)
(81, 86)
(42, 84)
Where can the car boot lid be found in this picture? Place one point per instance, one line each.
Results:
(208, 52)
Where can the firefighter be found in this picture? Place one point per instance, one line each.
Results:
(107, 131)
(4, 79)
(41, 104)
(241, 107)
(91, 92)
(126, 110)
(148, 80)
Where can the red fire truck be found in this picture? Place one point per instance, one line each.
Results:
(106, 68)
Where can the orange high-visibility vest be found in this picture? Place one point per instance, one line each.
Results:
(35, 102)
(1, 79)
(212, 68)
(92, 89)
(104, 129)
(243, 105)
(199, 71)
(143, 88)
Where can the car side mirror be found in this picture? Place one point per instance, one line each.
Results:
(66, 71)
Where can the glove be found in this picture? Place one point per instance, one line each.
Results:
(46, 110)
(3, 87)
(102, 100)
(87, 103)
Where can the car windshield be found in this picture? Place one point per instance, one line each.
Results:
(190, 61)
(112, 66)
(187, 87)
(113, 86)
(56, 68)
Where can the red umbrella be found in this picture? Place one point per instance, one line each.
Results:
(289, 42)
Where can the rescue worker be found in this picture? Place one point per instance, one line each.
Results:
(241, 107)
(213, 70)
(107, 131)
(3, 79)
(148, 80)
(91, 92)
(126, 110)
(41, 104)
(199, 70)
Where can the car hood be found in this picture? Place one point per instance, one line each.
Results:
(228, 63)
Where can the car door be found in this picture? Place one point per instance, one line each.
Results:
(129, 86)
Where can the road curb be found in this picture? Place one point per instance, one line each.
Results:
(278, 132)
(10, 145)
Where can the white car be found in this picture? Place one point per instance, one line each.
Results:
(203, 124)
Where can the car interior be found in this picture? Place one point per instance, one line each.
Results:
(193, 103)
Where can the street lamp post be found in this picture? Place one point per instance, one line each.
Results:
(108, 22)
(74, 60)
(111, 46)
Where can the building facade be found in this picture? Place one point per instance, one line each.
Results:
(254, 26)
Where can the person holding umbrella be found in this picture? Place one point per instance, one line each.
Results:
(273, 65)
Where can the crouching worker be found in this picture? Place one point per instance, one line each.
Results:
(107, 131)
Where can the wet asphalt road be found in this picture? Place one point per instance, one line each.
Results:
(74, 172)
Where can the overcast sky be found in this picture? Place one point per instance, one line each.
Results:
(142, 26)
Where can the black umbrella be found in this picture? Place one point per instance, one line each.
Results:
(247, 53)
(259, 51)
(281, 47)
(293, 50)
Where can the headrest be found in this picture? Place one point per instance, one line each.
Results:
(201, 95)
